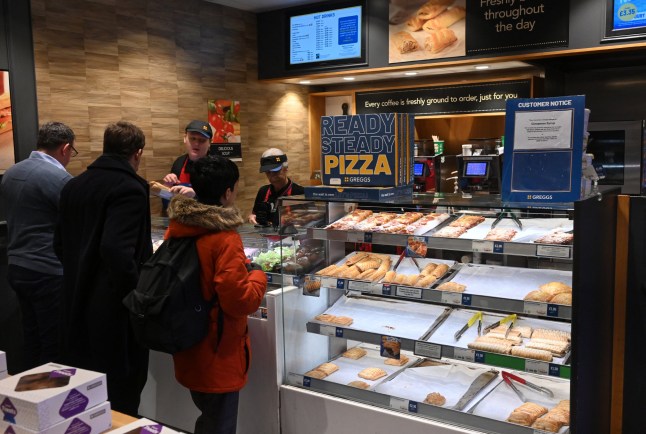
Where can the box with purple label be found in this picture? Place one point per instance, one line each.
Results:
(144, 426)
(93, 421)
(49, 394)
(3, 365)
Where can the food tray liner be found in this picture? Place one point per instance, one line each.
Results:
(532, 228)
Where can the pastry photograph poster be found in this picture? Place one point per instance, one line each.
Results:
(424, 30)
(7, 156)
(224, 118)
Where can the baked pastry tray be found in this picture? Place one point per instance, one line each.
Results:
(451, 380)
(502, 400)
(349, 368)
(444, 334)
(506, 282)
(532, 228)
(383, 316)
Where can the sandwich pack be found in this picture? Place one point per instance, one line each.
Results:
(144, 426)
(49, 394)
(93, 421)
(3, 365)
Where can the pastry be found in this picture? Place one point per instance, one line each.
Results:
(372, 374)
(325, 317)
(158, 188)
(555, 335)
(440, 270)
(450, 232)
(404, 42)
(502, 329)
(430, 10)
(530, 353)
(492, 348)
(526, 414)
(366, 275)
(435, 398)
(327, 368)
(395, 362)
(359, 384)
(547, 424)
(513, 339)
(411, 279)
(537, 295)
(445, 19)
(342, 320)
(377, 275)
(390, 277)
(428, 269)
(556, 350)
(312, 285)
(451, 287)
(555, 288)
(315, 373)
(354, 353)
(327, 271)
(368, 263)
(523, 331)
(500, 234)
(425, 281)
(356, 258)
(495, 340)
(467, 221)
(565, 298)
(555, 238)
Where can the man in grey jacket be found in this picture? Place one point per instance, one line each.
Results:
(29, 194)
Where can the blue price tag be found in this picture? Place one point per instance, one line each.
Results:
(340, 283)
(412, 406)
(555, 370)
(479, 357)
(269, 278)
(307, 381)
(339, 332)
(553, 310)
(367, 237)
(466, 299)
(297, 281)
(386, 289)
(499, 247)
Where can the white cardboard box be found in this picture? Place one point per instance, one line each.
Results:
(3, 365)
(93, 421)
(144, 426)
(49, 394)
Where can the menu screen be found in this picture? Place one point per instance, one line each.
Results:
(476, 168)
(325, 36)
(629, 14)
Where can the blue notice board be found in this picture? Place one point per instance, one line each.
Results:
(543, 149)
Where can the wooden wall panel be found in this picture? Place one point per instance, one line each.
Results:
(156, 63)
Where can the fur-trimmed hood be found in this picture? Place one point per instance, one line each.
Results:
(190, 212)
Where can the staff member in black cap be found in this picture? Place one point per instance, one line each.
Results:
(197, 138)
(273, 163)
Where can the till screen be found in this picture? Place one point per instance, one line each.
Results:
(476, 168)
(418, 169)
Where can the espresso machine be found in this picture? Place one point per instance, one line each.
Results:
(426, 168)
(480, 167)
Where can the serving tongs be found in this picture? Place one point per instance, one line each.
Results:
(508, 378)
(511, 215)
(509, 320)
(401, 257)
(476, 317)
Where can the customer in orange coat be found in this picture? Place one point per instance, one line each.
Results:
(216, 369)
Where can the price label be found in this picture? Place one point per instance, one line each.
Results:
(426, 349)
(482, 246)
(328, 282)
(386, 289)
(555, 370)
(466, 299)
(340, 283)
(553, 251)
(535, 308)
(367, 237)
(339, 332)
(412, 406)
(451, 297)
(498, 247)
(288, 280)
(404, 291)
(327, 330)
(298, 380)
(537, 367)
(398, 403)
(464, 354)
(270, 278)
(263, 313)
(354, 237)
(553, 310)
(479, 357)
(360, 286)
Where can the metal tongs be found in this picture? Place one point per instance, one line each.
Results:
(511, 215)
(508, 377)
(509, 320)
(476, 317)
(401, 257)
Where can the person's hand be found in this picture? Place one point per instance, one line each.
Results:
(252, 219)
(170, 180)
(183, 190)
(252, 266)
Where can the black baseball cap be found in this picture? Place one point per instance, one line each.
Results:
(272, 163)
(200, 127)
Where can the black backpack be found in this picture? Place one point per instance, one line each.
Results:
(167, 310)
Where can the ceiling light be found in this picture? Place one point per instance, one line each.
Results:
(348, 78)
(304, 82)
(482, 67)
(410, 73)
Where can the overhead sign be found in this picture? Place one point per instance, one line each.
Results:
(498, 26)
(543, 149)
(443, 100)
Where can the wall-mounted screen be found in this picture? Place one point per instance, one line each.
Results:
(324, 36)
(625, 19)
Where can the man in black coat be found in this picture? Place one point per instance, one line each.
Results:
(102, 238)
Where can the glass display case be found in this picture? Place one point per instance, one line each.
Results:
(470, 312)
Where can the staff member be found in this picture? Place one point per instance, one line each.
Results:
(273, 163)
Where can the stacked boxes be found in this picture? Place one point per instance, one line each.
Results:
(360, 152)
(54, 399)
(143, 426)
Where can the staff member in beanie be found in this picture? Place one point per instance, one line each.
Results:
(273, 163)
(197, 138)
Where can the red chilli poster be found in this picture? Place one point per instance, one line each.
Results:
(224, 118)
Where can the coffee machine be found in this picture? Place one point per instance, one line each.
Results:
(480, 167)
(426, 171)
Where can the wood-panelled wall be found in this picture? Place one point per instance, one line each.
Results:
(156, 63)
